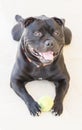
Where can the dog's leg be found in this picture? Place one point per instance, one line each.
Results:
(32, 105)
(61, 90)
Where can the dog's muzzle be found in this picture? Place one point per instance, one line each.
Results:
(44, 57)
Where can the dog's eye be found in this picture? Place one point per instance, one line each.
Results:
(37, 34)
(56, 33)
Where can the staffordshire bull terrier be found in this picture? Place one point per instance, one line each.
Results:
(40, 56)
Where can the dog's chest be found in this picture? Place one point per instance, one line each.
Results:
(40, 73)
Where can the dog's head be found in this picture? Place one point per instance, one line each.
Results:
(43, 37)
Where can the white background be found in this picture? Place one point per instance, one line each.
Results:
(14, 114)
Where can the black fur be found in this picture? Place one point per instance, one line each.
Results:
(29, 67)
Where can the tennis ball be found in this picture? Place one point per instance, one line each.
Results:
(46, 103)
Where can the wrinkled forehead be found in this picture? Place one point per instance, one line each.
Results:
(42, 23)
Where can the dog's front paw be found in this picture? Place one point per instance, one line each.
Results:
(34, 108)
(57, 108)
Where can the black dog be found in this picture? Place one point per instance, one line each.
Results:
(40, 57)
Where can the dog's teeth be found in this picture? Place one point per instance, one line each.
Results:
(39, 53)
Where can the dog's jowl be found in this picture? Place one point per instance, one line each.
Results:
(40, 55)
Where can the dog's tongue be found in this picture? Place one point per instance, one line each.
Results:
(47, 55)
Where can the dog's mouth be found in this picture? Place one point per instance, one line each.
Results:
(45, 57)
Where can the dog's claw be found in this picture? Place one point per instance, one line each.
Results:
(57, 109)
(34, 108)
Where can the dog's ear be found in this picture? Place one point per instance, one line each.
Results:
(59, 21)
(19, 18)
(28, 21)
(18, 29)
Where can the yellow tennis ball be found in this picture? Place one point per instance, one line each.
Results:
(46, 103)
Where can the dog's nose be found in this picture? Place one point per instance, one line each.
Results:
(49, 43)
